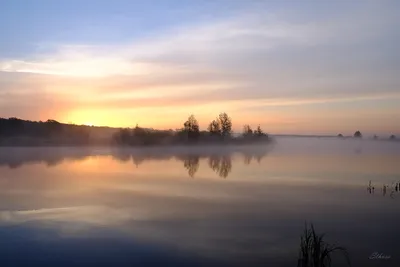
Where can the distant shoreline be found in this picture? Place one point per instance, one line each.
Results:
(333, 136)
(16, 132)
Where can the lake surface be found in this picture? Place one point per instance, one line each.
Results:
(207, 206)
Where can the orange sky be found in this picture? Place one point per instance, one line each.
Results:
(290, 72)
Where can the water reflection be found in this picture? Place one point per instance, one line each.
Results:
(96, 204)
(191, 164)
(220, 165)
(220, 161)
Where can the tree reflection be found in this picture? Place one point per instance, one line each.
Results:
(226, 167)
(123, 157)
(16, 157)
(247, 159)
(214, 163)
(250, 155)
(137, 160)
(191, 164)
(222, 165)
(219, 159)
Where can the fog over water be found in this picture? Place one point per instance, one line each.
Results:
(202, 206)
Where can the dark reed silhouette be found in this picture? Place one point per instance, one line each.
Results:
(391, 190)
(315, 251)
(371, 188)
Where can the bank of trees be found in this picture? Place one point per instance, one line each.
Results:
(18, 132)
(219, 130)
(249, 133)
(14, 131)
(359, 135)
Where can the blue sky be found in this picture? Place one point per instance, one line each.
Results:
(290, 66)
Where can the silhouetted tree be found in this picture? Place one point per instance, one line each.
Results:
(214, 128)
(340, 135)
(247, 131)
(138, 131)
(191, 126)
(52, 121)
(259, 132)
(225, 123)
(392, 137)
(123, 137)
(358, 134)
(54, 126)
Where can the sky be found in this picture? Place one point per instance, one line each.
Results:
(292, 67)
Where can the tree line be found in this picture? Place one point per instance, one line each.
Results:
(18, 132)
(219, 130)
(14, 131)
(358, 134)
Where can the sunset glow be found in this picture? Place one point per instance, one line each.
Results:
(286, 69)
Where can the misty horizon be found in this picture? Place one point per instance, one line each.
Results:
(200, 133)
(238, 131)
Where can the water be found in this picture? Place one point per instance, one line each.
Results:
(204, 207)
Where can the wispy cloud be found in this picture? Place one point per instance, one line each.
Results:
(260, 58)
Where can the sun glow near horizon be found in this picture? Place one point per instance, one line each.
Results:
(289, 72)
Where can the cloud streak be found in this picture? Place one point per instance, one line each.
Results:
(260, 58)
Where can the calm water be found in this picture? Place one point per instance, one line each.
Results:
(209, 207)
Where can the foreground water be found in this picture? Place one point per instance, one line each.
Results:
(198, 207)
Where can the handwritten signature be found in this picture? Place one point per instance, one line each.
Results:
(379, 256)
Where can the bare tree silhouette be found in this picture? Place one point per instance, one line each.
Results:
(214, 128)
(258, 132)
(191, 127)
(225, 123)
(247, 131)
